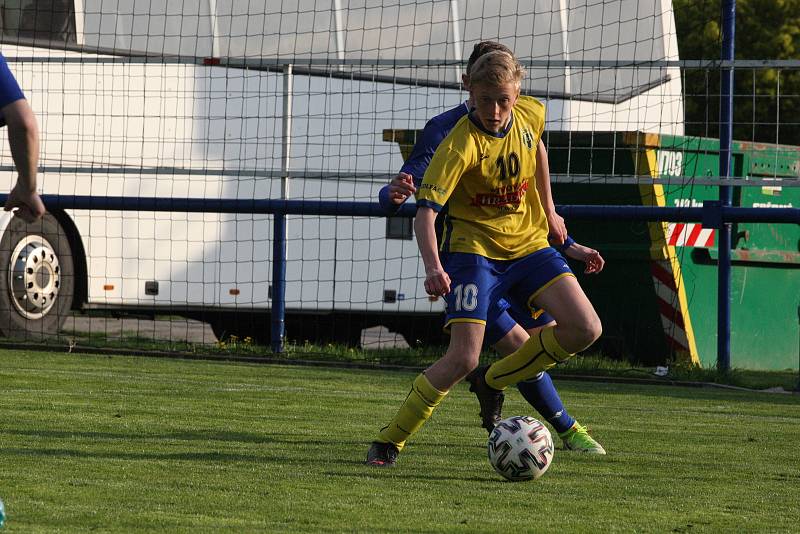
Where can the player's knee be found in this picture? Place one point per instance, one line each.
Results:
(461, 363)
(589, 330)
(468, 364)
(459, 369)
(580, 334)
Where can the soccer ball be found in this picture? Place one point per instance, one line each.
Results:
(520, 448)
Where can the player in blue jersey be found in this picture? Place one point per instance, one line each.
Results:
(503, 330)
(23, 139)
(495, 245)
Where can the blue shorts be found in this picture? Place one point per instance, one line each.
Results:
(479, 286)
(502, 317)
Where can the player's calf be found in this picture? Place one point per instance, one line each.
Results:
(539, 353)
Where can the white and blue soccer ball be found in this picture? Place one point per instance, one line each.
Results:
(520, 448)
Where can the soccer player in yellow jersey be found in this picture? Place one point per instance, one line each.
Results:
(494, 246)
(507, 327)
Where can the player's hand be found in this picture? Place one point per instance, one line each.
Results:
(400, 188)
(26, 204)
(558, 229)
(437, 283)
(589, 256)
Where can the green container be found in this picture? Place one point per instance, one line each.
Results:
(765, 274)
(657, 296)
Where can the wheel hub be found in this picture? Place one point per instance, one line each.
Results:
(35, 277)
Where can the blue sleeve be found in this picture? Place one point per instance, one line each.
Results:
(386, 204)
(417, 163)
(429, 204)
(9, 88)
(568, 242)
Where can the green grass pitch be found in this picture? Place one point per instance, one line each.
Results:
(117, 444)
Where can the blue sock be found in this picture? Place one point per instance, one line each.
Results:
(540, 393)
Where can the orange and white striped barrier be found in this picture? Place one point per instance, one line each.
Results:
(690, 235)
(669, 306)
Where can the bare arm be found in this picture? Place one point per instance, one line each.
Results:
(23, 139)
(437, 282)
(593, 260)
(558, 230)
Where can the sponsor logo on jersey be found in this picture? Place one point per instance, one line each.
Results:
(502, 196)
(433, 187)
(527, 137)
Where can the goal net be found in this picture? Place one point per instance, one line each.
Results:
(319, 100)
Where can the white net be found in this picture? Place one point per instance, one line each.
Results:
(316, 100)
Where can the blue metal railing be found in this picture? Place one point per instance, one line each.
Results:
(710, 211)
(713, 214)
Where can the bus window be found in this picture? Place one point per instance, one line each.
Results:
(38, 22)
(399, 228)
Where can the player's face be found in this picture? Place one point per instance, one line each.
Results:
(493, 104)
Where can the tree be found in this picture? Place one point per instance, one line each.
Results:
(766, 100)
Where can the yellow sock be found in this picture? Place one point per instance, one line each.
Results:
(413, 413)
(539, 353)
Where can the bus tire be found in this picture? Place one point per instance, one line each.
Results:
(37, 278)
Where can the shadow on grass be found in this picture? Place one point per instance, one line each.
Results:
(210, 435)
(207, 456)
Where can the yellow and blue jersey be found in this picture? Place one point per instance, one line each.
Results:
(488, 182)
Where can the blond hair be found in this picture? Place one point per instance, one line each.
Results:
(496, 68)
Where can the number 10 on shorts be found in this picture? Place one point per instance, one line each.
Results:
(465, 297)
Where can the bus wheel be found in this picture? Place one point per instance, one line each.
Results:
(37, 278)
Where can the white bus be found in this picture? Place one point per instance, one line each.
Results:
(265, 99)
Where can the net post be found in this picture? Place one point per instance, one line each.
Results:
(278, 282)
(279, 228)
(725, 192)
